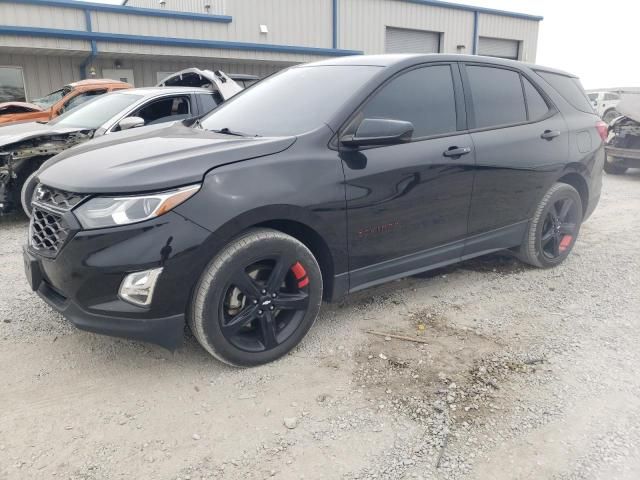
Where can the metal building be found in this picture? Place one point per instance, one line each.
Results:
(45, 44)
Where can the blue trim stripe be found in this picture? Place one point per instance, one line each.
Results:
(470, 8)
(168, 41)
(103, 7)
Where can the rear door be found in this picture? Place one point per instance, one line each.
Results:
(408, 203)
(521, 141)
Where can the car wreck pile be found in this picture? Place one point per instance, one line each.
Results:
(623, 143)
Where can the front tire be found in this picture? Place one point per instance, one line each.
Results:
(553, 231)
(26, 193)
(256, 299)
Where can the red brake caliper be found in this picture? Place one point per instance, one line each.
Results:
(565, 242)
(301, 274)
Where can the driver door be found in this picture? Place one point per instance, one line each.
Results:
(408, 203)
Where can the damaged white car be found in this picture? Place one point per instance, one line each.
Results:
(24, 147)
(623, 143)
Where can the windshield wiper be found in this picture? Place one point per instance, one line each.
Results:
(228, 131)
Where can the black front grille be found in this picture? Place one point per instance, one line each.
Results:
(48, 231)
(57, 199)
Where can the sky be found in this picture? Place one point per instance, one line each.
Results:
(594, 40)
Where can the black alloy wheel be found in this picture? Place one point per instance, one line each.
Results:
(265, 303)
(257, 298)
(554, 228)
(560, 227)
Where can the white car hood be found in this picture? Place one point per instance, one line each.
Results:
(194, 77)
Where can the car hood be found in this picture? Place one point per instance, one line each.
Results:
(28, 107)
(19, 132)
(143, 160)
(194, 77)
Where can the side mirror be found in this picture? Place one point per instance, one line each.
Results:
(131, 122)
(379, 131)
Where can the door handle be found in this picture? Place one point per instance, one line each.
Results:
(456, 151)
(550, 134)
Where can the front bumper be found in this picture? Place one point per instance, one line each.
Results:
(82, 280)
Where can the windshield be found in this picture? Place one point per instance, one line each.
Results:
(48, 100)
(295, 101)
(96, 112)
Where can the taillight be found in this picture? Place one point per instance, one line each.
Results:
(603, 129)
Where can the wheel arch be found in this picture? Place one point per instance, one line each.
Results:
(578, 182)
(326, 243)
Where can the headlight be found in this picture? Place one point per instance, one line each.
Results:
(102, 212)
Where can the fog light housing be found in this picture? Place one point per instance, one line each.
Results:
(137, 288)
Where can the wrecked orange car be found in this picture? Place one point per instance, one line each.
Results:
(60, 101)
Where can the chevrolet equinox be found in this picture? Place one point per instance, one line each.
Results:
(321, 180)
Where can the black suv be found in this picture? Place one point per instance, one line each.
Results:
(324, 179)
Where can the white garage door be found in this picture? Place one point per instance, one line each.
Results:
(498, 47)
(402, 40)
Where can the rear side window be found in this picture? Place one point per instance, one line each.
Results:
(536, 105)
(611, 96)
(497, 96)
(209, 101)
(570, 88)
(424, 97)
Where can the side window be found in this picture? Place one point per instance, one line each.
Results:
(611, 96)
(536, 105)
(209, 101)
(165, 110)
(570, 88)
(497, 96)
(80, 99)
(424, 97)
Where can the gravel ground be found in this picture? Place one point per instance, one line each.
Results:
(523, 374)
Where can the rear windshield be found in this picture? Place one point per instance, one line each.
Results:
(293, 102)
(570, 88)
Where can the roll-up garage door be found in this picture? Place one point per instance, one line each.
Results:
(402, 40)
(498, 47)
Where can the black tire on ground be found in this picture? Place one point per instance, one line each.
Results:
(555, 226)
(26, 193)
(256, 299)
(612, 168)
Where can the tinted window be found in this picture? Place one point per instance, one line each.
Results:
(611, 96)
(164, 110)
(209, 102)
(536, 105)
(423, 97)
(570, 88)
(96, 112)
(593, 96)
(497, 96)
(292, 102)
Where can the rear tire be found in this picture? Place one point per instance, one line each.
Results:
(256, 299)
(610, 115)
(613, 168)
(553, 231)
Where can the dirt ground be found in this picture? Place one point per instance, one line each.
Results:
(524, 374)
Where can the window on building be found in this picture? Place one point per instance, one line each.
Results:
(536, 104)
(570, 88)
(424, 97)
(497, 96)
(12, 85)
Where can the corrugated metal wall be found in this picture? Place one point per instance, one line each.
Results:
(195, 6)
(526, 31)
(362, 23)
